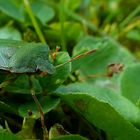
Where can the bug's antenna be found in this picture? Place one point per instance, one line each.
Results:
(77, 57)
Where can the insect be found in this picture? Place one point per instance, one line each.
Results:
(21, 57)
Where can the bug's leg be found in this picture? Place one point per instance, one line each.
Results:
(39, 107)
(55, 53)
(42, 74)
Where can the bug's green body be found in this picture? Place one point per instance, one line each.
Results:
(7, 49)
(20, 57)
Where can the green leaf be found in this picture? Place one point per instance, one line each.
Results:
(130, 81)
(10, 33)
(4, 135)
(108, 52)
(42, 11)
(104, 109)
(51, 82)
(48, 103)
(12, 8)
(69, 137)
(22, 85)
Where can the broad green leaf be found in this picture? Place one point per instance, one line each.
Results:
(12, 8)
(10, 33)
(22, 85)
(42, 11)
(101, 109)
(48, 103)
(108, 52)
(4, 135)
(122, 105)
(69, 137)
(51, 82)
(130, 81)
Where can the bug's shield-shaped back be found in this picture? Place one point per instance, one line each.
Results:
(25, 57)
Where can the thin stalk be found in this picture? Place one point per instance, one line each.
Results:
(62, 20)
(79, 18)
(129, 18)
(129, 27)
(40, 109)
(82, 20)
(34, 21)
(45, 131)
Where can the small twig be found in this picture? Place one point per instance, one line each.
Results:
(34, 21)
(40, 109)
(62, 20)
(77, 57)
(45, 131)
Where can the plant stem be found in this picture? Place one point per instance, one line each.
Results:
(62, 20)
(45, 131)
(129, 18)
(129, 28)
(34, 21)
(82, 20)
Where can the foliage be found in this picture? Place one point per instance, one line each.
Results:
(69, 70)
